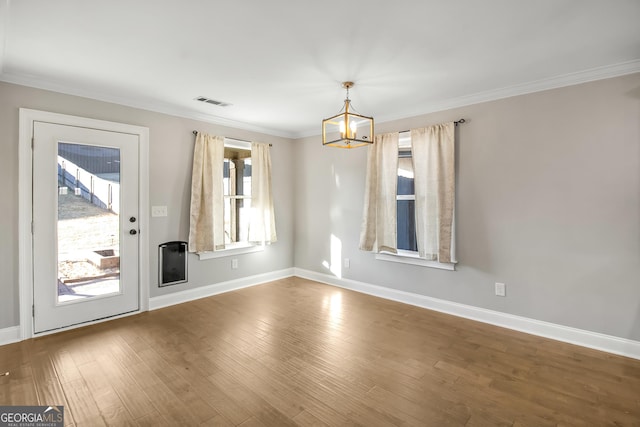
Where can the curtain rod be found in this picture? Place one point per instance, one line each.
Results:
(457, 122)
(195, 132)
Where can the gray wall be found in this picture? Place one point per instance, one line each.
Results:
(170, 157)
(548, 202)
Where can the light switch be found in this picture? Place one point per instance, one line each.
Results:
(158, 211)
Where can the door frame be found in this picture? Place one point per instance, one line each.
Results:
(25, 209)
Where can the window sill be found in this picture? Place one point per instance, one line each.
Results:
(231, 250)
(408, 257)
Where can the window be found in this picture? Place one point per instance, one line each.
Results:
(231, 197)
(236, 181)
(406, 213)
(406, 199)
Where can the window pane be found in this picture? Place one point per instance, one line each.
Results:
(237, 177)
(406, 225)
(237, 192)
(405, 175)
(226, 174)
(244, 212)
(237, 212)
(229, 224)
(246, 177)
(88, 227)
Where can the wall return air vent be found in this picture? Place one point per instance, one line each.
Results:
(212, 101)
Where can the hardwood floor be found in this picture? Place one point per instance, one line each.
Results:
(296, 352)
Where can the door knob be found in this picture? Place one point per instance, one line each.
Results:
(132, 232)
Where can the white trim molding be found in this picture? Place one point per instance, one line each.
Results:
(409, 257)
(4, 29)
(25, 205)
(598, 73)
(217, 288)
(142, 103)
(9, 335)
(594, 340)
(14, 334)
(555, 82)
(231, 250)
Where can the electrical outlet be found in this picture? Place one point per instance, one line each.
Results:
(158, 211)
(234, 263)
(347, 263)
(501, 289)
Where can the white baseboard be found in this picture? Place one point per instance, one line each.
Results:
(598, 341)
(9, 335)
(218, 288)
(12, 334)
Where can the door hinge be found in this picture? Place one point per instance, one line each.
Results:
(32, 142)
(33, 310)
(31, 227)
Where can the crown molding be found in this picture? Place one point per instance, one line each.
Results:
(571, 79)
(4, 24)
(155, 106)
(564, 80)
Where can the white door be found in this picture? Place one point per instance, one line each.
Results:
(85, 225)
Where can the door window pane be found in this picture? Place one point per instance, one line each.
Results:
(88, 221)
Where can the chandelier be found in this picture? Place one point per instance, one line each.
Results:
(347, 129)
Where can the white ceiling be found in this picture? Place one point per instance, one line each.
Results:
(280, 62)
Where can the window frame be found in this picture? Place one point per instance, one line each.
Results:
(235, 248)
(405, 256)
(234, 218)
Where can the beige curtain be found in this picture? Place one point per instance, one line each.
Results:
(433, 154)
(206, 227)
(379, 231)
(262, 225)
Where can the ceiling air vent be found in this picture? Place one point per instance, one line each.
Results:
(212, 101)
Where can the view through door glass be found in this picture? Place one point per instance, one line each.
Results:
(85, 227)
(88, 221)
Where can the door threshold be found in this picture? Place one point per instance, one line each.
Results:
(83, 324)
